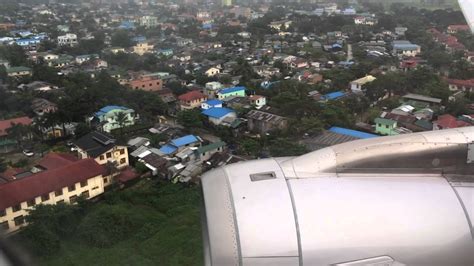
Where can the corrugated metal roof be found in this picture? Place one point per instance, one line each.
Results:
(188, 139)
(352, 133)
(217, 112)
(168, 149)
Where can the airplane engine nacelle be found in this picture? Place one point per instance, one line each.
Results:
(404, 200)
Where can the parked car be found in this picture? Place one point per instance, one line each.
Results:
(28, 153)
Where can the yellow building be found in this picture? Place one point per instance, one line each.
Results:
(226, 2)
(143, 48)
(103, 149)
(57, 178)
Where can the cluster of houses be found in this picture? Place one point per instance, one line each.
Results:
(282, 52)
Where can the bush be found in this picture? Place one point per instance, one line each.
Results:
(108, 225)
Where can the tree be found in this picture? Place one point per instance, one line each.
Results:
(190, 118)
(284, 147)
(309, 125)
(121, 120)
(121, 39)
(250, 146)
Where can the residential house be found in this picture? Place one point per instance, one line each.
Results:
(143, 48)
(461, 85)
(213, 103)
(211, 88)
(149, 21)
(453, 29)
(229, 92)
(258, 101)
(37, 86)
(400, 31)
(69, 39)
(220, 115)
(116, 50)
(384, 126)
(212, 71)
(146, 83)
(47, 57)
(405, 48)
(204, 153)
(19, 71)
(57, 178)
(103, 148)
(106, 118)
(84, 58)
(281, 25)
(362, 20)
(179, 144)
(165, 52)
(263, 122)
(41, 106)
(191, 100)
(357, 85)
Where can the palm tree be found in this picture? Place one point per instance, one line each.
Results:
(121, 119)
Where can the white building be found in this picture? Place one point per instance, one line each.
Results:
(69, 39)
(357, 85)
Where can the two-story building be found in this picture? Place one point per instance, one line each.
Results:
(107, 118)
(405, 48)
(146, 83)
(19, 71)
(69, 39)
(143, 48)
(258, 101)
(211, 89)
(358, 84)
(58, 178)
(103, 149)
(191, 100)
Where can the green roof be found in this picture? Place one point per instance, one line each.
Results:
(210, 147)
(18, 69)
(385, 121)
(5, 142)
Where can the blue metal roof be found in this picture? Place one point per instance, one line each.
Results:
(352, 133)
(406, 46)
(217, 112)
(214, 102)
(168, 149)
(334, 95)
(230, 90)
(188, 139)
(109, 108)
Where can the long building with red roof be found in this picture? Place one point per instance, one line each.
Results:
(56, 178)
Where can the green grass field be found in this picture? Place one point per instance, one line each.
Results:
(165, 229)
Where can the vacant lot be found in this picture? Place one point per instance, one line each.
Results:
(151, 223)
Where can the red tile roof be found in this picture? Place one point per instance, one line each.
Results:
(462, 82)
(55, 160)
(6, 124)
(191, 96)
(27, 188)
